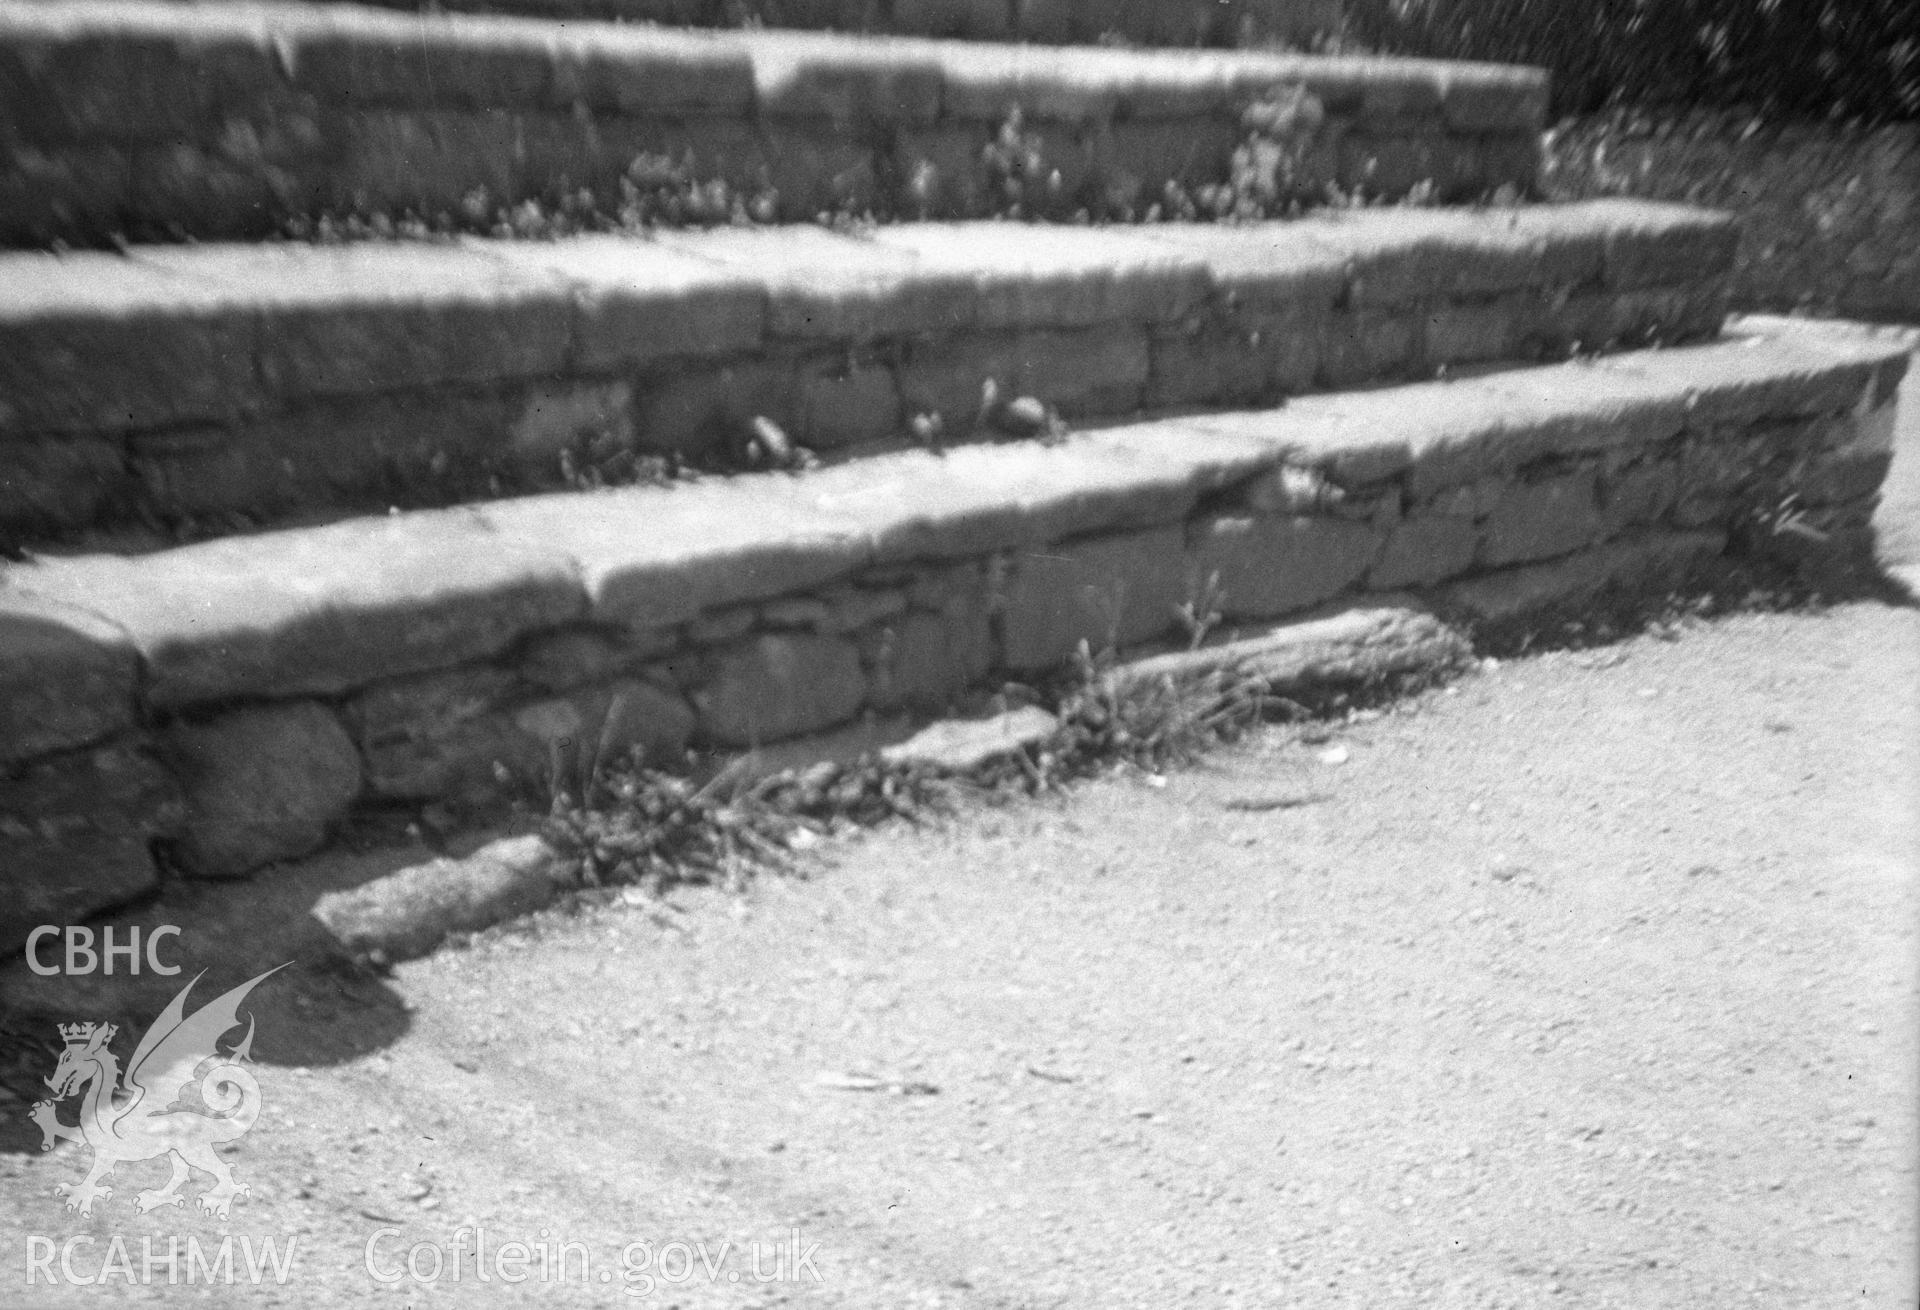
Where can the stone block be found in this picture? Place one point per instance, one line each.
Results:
(549, 420)
(67, 678)
(1538, 520)
(931, 658)
(704, 410)
(977, 20)
(604, 726)
(638, 302)
(1484, 98)
(1358, 346)
(1839, 476)
(818, 168)
(780, 685)
(848, 407)
(1638, 495)
(382, 317)
(358, 451)
(75, 836)
(1047, 276)
(67, 193)
(1423, 550)
(429, 736)
(260, 784)
(1274, 565)
(821, 285)
(389, 160)
(1474, 333)
(845, 84)
(1211, 366)
(1391, 166)
(644, 71)
(58, 485)
(964, 745)
(99, 344)
(1648, 563)
(1657, 245)
(1112, 591)
(1090, 372)
(561, 661)
(1357, 645)
(321, 609)
(704, 546)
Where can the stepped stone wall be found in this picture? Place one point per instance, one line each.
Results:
(194, 383)
(1828, 214)
(155, 121)
(1139, 22)
(435, 655)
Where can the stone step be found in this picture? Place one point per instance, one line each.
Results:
(1179, 23)
(232, 699)
(159, 121)
(206, 388)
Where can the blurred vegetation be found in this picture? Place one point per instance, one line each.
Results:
(1853, 60)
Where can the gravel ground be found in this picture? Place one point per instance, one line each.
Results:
(1590, 981)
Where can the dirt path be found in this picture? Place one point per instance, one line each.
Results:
(1592, 981)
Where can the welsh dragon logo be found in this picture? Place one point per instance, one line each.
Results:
(145, 1115)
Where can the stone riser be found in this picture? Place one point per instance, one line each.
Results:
(159, 121)
(185, 385)
(1139, 22)
(282, 676)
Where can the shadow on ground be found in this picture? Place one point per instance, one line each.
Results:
(322, 1010)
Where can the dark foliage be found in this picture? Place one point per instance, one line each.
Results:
(1839, 59)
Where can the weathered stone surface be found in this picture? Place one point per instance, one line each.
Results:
(338, 320)
(780, 685)
(1361, 345)
(1843, 475)
(867, 735)
(606, 725)
(652, 558)
(1047, 277)
(261, 784)
(66, 677)
(74, 836)
(974, 500)
(798, 76)
(1347, 647)
(408, 913)
(849, 408)
(1107, 591)
(426, 736)
(964, 745)
(1539, 520)
(1087, 372)
(931, 658)
(1638, 495)
(1274, 565)
(57, 484)
(318, 609)
(1425, 549)
(639, 301)
(561, 661)
(1646, 562)
(820, 284)
(1764, 369)
(551, 420)
(92, 342)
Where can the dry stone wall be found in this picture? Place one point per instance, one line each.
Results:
(154, 121)
(1139, 22)
(446, 656)
(1829, 214)
(196, 384)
